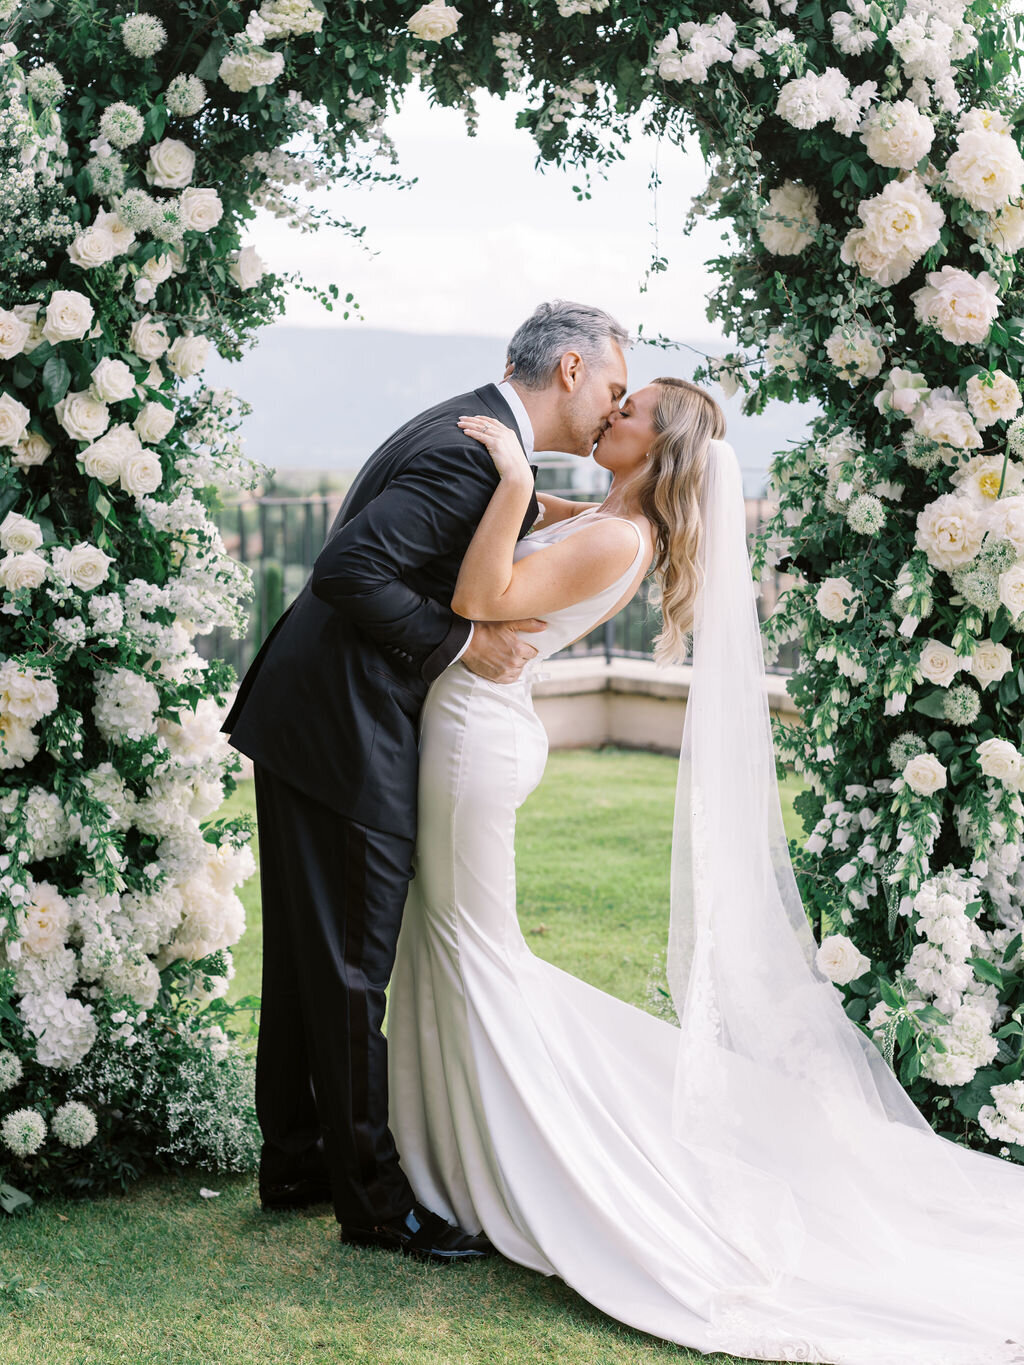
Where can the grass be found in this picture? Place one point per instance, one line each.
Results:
(163, 1276)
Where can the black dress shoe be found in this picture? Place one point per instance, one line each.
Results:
(423, 1235)
(296, 1194)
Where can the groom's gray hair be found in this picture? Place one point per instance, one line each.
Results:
(554, 328)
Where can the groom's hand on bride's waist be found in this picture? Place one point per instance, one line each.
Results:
(497, 651)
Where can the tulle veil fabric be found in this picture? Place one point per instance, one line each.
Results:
(855, 1219)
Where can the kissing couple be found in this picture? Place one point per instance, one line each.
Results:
(753, 1180)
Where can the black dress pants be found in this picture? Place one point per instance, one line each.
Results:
(333, 894)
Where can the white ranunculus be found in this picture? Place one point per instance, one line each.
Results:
(434, 21)
(841, 960)
(19, 533)
(153, 422)
(32, 449)
(939, 664)
(897, 135)
(104, 458)
(987, 169)
(86, 567)
(13, 420)
(789, 223)
(249, 69)
(149, 339)
(1001, 760)
(899, 226)
(855, 349)
(981, 478)
(93, 247)
(247, 269)
(187, 355)
(69, 316)
(990, 662)
(171, 164)
(82, 416)
(201, 209)
(1011, 589)
(950, 531)
(995, 401)
(141, 472)
(944, 419)
(22, 571)
(924, 774)
(112, 381)
(13, 334)
(837, 600)
(962, 307)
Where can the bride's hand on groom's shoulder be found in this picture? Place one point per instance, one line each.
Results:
(497, 652)
(503, 446)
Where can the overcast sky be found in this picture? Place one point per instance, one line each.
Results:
(484, 236)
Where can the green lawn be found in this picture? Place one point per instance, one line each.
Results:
(163, 1276)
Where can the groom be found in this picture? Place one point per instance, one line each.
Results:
(329, 712)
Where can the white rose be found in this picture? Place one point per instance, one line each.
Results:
(13, 420)
(112, 381)
(986, 170)
(92, 248)
(149, 339)
(841, 960)
(86, 567)
(946, 421)
(158, 268)
(153, 422)
(789, 223)
(170, 165)
(29, 313)
(995, 401)
(960, 306)
(22, 571)
(123, 236)
(1011, 589)
(837, 600)
(939, 663)
(13, 334)
(201, 209)
(899, 226)
(19, 533)
(999, 759)
(990, 662)
(247, 269)
(82, 416)
(925, 774)
(950, 531)
(897, 135)
(104, 458)
(434, 21)
(187, 355)
(141, 472)
(31, 450)
(855, 350)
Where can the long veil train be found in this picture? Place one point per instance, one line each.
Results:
(857, 1222)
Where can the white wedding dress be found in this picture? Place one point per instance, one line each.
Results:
(532, 1106)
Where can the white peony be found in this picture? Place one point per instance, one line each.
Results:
(149, 339)
(1001, 760)
(25, 694)
(1005, 229)
(201, 209)
(788, 224)
(112, 381)
(434, 21)
(944, 419)
(19, 533)
(1006, 521)
(950, 531)
(980, 479)
(247, 269)
(26, 570)
(841, 960)
(855, 349)
(899, 226)
(962, 307)
(924, 774)
(14, 333)
(69, 316)
(1011, 589)
(44, 919)
(939, 663)
(993, 397)
(82, 416)
(32, 449)
(187, 355)
(837, 599)
(93, 247)
(987, 169)
(170, 165)
(153, 422)
(782, 354)
(250, 68)
(13, 420)
(990, 662)
(897, 135)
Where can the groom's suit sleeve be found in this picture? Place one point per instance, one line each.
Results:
(426, 510)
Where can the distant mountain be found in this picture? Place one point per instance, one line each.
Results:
(325, 398)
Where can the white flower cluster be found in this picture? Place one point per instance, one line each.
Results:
(688, 52)
(26, 696)
(825, 98)
(853, 826)
(929, 38)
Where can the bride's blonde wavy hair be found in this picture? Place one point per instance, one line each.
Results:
(668, 488)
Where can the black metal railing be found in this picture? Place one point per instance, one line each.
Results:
(280, 537)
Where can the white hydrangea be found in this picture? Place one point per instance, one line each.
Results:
(1004, 1121)
(126, 705)
(851, 28)
(64, 1029)
(246, 67)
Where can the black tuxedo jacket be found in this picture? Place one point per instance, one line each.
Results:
(331, 703)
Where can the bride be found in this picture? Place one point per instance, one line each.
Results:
(754, 1181)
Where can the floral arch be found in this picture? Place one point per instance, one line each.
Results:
(866, 156)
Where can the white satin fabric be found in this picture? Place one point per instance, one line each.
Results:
(680, 1180)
